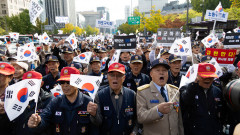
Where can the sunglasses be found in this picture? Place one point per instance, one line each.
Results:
(63, 82)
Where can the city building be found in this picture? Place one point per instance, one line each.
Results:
(12, 7)
(65, 8)
(90, 17)
(43, 14)
(175, 8)
(80, 20)
(145, 6)
(127, 12)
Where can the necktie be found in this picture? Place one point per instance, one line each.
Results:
(163, 94)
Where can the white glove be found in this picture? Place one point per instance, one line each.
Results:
(154, 45)
(230, 68)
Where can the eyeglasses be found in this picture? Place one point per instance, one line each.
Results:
(115, 75)
(63, 82)
(196, 47)
(157, 49)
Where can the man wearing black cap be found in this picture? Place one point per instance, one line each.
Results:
(174, 74)
(135, 78)
(124, 59)
(50, 79)
(68, 55)
(196, 55)
(158, 103)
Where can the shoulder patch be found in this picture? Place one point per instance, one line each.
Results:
(173, 86)
(143, 87)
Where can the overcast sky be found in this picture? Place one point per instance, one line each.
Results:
(116, 7)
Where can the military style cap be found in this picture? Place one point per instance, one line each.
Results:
(173, 58)
(207, 70)
(136, 58)
(206, 58)
(164, 51)
(94, 59)
(68, 50)
(102, 50)
(52, 58)
(117, 67)
(66, 72)
(6, 69)
(159, 61)
(32, 75)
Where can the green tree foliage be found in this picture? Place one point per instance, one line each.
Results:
(40, 26)
(235, 3)
(91, 31)
(209, 4)
(20, 23)
(233, 14)
(126, 28)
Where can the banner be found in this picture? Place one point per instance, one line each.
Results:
(57, 91)
(34, 11)
(104, 24)
(216, 15)
(222, 56)
(148, 39)
(87, 83)
(83, 57)
(125, 42)
(62, 19)
(168, 35)
(232, 40)
(181, 47)
(72, 41)
(18, 95)
(209, 40)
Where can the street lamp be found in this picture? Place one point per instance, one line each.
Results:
(187, 29)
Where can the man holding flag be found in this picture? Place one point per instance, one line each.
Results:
(67, 113)
(114, 110)
(203, 104)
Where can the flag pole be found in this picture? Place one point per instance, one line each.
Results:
(214, 25)
(36, 108)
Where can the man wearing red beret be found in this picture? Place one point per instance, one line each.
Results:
(202, 103)
(6, 75)
(114, 110)
(67, 113)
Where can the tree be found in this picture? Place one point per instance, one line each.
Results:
(233, 14)
(91, 31)
(177, 23)
(126, 28)
(2, 31)
(209, 4)
(68, 28)
(79, 31)
(235, 3)
(40, 25)
(191, 14)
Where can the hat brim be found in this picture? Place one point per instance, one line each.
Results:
(164, 53)
(67, 52)
(176, 59)
(6, 72)
(208, 75)
(95, 61)
(64, 79)
(52, 61)
(161, 64)
(136, 61)
(117, 70)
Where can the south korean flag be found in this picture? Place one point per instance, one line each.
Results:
(57, 91)
(26, 53)
(18, 96)
(83, 57)
(72, 41)
(87, 83)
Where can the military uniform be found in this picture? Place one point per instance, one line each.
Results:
(174, 80)
(49, 81)
(148, 97)
(132, 81)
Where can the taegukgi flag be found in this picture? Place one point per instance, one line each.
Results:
(219, 8)
(14, 35)
(72, 41)
(192, 73)
(210, 40)
(87, 83)
(115, 57)
(83, 57)
(18, 95)
(44, 38)
(26, 53)
(219, 71)
(181, 47)
(57, 91)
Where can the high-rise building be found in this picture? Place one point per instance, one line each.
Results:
(64, 8)
(90, 17)
(43, 14)
(127, 12)
(145, 6)
(102, 11)
(12, 7)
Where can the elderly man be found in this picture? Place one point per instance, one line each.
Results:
(158, 103)
(67, 113)
(203, 103)
(114, 110)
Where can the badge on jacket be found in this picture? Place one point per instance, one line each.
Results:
(58, 113)
(176, 106)
(106, 108)
(154, 101)
(83, 129)
(130, 122)
(57, 128)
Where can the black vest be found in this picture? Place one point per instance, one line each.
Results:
(111, 125)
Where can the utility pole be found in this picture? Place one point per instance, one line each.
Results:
(203, 6)
(187, 16)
